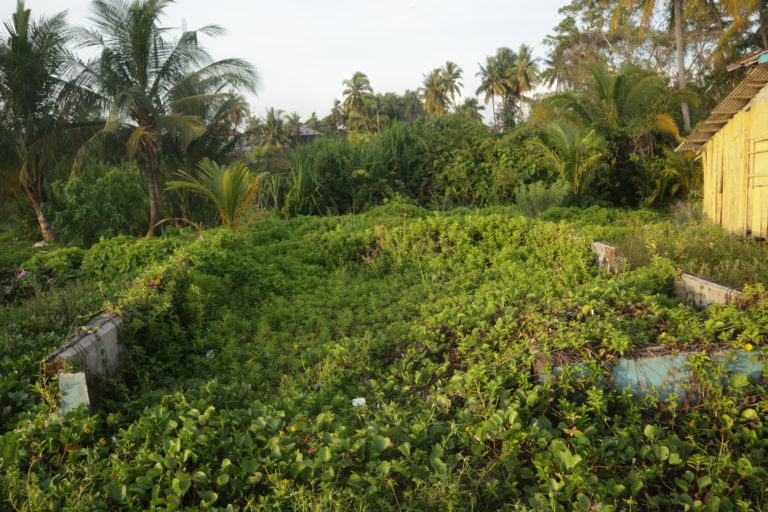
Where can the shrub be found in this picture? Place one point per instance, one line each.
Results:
(61, 264)
(102, 201)
(534, 198)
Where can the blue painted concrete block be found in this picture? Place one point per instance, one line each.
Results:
(666, 375)
(74, 392)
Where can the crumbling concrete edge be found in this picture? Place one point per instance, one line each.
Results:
(95, 350)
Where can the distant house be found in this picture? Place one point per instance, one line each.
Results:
(307, 134)
(733, 142)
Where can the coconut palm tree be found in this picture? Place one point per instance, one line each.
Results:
(574, 153)
(471, 108)
(153, 88)
(412, 106)
(525, 70)
(37, 105)
(630, 99)
(293, 125)
(272, 130)
(356, 91)
(491, 83)
(648, 8)
(452, 78)
(231, 189)
(435, 93)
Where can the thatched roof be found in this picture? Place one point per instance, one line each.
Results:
(735, 102)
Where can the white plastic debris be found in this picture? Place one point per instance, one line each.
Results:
(40, 244)
(358, 402)
(210, 354)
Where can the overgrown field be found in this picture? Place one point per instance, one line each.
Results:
(247, 350)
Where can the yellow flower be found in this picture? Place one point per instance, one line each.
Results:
(102, 440)
(293, 428)
(748, 346)
(286, 480)
(363, 414)
(282, 432)
(87, 430)
(295, 347)
(466, 429)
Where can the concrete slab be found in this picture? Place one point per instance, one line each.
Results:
(74, 392)
(702, 292)
(609, 257)
(656, 371)
(666, 375)
(95, 349)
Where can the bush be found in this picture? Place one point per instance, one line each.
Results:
(533, 199)
(62, 264)
(103, 201)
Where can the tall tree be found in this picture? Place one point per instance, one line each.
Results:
(648, 8)
(491, 83)
(452, 74)
(36, 103)
(293, 125)
(272, 130)
(153, 88)
(436, 96)
(356, 91)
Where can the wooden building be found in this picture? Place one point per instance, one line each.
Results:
(733, 143)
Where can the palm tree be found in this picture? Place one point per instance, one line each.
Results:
(574, 153)
(272, 130)
(435, 93)
(648, 8)
(471, 108)
(412, 106)
(36, 104)
(452, 78)
(154, 88)
(525, 70)
(491, 83)
(293, 124)
(231, 189)
(630, 99)
(356, 91)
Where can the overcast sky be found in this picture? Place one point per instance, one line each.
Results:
(304, 49)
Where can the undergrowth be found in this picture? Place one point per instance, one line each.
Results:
(247, 350)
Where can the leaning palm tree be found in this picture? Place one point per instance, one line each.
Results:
(37, 106)
(435, 93)
(231, 189)
(452, 78)
(153, 88)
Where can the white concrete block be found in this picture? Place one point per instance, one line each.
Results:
(702, 292)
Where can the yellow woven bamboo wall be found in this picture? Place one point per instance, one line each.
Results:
(735, 163)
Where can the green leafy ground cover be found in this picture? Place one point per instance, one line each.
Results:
(247, 350)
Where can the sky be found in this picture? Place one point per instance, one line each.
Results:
(304, 49)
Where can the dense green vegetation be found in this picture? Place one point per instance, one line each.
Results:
(248, 348)
(620, 84)
(374, 324)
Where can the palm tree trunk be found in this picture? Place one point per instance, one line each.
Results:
(49, 235)
(155, 194)
(680, 46)
(493, 104)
